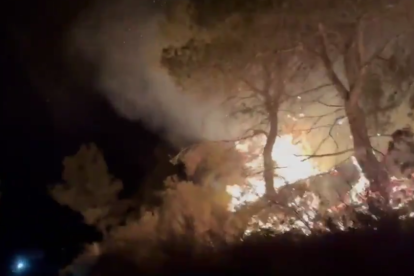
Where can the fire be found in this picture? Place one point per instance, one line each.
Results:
(293, 166)
(289, 157)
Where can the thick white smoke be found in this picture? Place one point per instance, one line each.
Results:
(124, 41)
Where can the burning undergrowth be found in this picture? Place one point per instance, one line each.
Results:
(308, 200)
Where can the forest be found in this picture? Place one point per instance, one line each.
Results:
(290, 123)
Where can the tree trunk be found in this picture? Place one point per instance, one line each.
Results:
(370, 165)
(356, 74)
(268, 164)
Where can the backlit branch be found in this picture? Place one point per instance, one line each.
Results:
(319, 87)
(328, 105)
(326, 154)
(324, 140)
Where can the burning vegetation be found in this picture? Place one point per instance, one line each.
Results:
(307, 84)
(311, 89)
(306, 197)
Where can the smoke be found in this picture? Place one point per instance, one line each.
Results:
(124, 41)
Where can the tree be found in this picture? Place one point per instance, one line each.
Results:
(267, 55)
(213, 164)
(187, 213)
(89, 189)
(365, 56)
(154, 181)
(253, 75)
(196, 213)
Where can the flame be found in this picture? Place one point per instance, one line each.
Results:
(292, 167)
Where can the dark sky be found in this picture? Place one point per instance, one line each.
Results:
(46, 114)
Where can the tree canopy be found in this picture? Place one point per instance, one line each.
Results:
(332, 69)
(90, 189)
(271, 53)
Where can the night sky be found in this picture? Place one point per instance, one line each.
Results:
(46, 114)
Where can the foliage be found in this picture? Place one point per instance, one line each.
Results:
(154, 180)
(359, 50)
(89, 189)
(268, 254)
(226, 55)
(290, 50)
(195, 214)
(213, 164)
(217, 64)
(82, 264)
(191, 223)
(190, 215)
(188, 211)
(400, 154)
(251, 74)
(257, 55)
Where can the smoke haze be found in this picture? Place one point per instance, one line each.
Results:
(124, 41)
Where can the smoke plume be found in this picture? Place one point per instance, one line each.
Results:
(124, 40)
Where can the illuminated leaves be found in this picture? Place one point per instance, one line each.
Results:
(88, 188)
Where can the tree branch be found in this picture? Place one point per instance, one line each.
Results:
(333, 77)
(325, 155)
(325, 139)
(312, 90)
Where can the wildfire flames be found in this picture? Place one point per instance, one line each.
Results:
(303, 212)
(292, 167)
